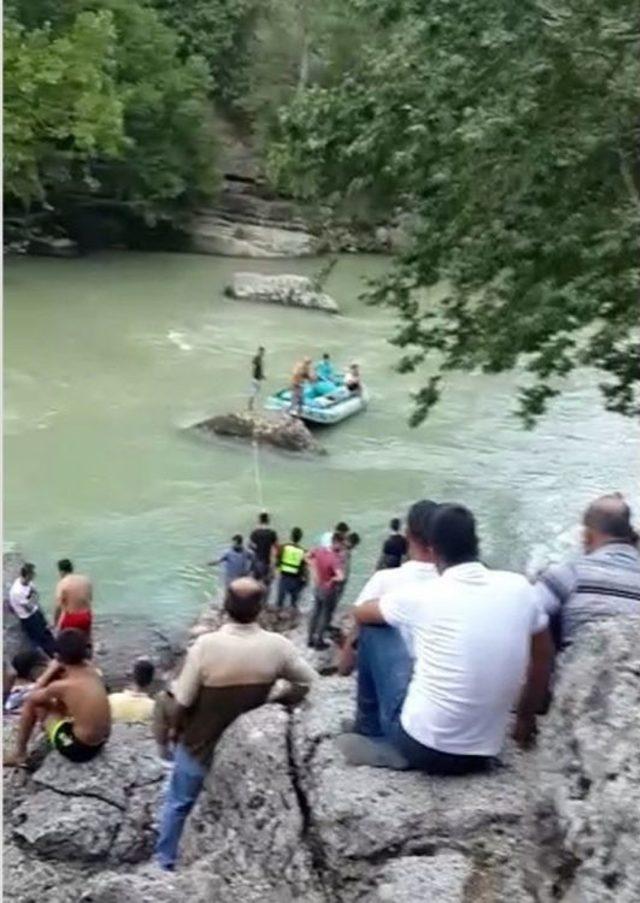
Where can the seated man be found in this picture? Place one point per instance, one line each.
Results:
(135, 705)
(70, 701)
(324, 369)
(353, 380)
(226, 672)
(475, 631)
(601, 583)
(26, 666)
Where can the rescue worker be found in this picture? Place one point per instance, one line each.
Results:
(293, 570)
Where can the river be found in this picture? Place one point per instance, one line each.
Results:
(108, 359)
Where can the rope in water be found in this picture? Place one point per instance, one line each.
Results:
(256, 473)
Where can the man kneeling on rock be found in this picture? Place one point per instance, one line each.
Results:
(476, 635)
(70, 701)
(226, 673)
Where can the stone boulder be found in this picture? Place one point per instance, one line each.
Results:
(65, 819)
(283, 818)
(288, 290)
(278, 430)
(586, 798)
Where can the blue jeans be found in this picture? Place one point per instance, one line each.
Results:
(384, 672)
(181, 793)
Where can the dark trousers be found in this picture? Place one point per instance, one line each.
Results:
(324, 604)
(38, 633)
(384, 673)
(290, 586)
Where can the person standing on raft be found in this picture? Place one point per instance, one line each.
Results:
(302, 372)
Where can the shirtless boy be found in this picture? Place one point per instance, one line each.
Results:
(70, 702)
(74, 594)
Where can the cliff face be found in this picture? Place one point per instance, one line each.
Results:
(283, 818)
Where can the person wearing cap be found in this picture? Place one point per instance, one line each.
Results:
(602, 582)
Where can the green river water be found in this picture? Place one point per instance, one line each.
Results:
(107, 359)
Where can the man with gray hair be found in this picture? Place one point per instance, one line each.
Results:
(602, 582)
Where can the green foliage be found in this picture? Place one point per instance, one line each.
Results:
(512, 130)
(221, 32)
(60, 106)
(98, 103)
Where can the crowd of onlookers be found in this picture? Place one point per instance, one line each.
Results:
(445, 649)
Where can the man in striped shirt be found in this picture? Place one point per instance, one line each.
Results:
(602, 582)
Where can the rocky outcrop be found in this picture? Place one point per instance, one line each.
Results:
(587, 797)
(287, 289)
(67, 821)
(279, 430)
(213, 232)
(283, 818)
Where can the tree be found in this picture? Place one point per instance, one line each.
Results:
(511, 129)
(221, 32)
(99, 105)
(60, 106)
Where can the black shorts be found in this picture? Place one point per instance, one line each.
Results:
(65, 741)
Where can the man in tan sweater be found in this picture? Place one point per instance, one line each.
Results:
(226, 672)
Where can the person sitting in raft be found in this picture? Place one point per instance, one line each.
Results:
(352, 379)
(324, 369)
(70, 701)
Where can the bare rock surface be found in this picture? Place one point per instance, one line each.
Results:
(586, 801)
(283, 817)
(286, 289)
(278, 430)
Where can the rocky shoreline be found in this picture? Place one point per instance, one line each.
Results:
(283, 818)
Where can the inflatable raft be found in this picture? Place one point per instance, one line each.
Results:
(324, 409)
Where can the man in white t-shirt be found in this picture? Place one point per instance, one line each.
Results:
(23, 601)
(418, 569)
(476, 633)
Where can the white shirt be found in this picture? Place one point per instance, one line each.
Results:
(387, 580)
(472, 629)
(23, 598)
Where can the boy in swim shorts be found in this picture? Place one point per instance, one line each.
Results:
(71, 703)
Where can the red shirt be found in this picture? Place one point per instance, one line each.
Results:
(328, 565)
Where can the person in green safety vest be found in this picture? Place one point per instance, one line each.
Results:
(292, 566)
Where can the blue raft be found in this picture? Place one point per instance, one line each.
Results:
(326, 409)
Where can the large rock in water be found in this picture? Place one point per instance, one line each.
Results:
(289, 290)
(283, 818)
(279, 430)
